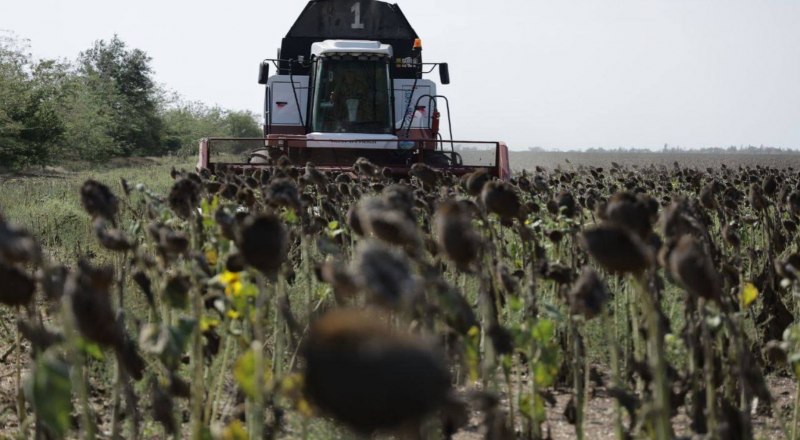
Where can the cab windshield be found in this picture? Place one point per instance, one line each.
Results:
(352, 96)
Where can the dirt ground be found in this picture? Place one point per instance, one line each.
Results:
(598, 424)
(599, 416)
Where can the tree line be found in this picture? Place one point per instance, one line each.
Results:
(104, 104)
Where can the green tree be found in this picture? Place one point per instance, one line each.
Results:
(122, 78)
(105, 105)
(13, 96)
(243, 124)
(29, 117)
(186, 122)
(88, 122)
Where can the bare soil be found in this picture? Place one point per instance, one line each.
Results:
(599, 416)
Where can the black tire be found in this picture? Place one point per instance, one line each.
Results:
(438, 159)
(259, 156)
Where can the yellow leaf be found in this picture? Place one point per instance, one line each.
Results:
(235, 431)
(749, 294)
(211, 256)
(291, 382)
(228, 277)
(304, 408)
(232, 282)
(207, 324)
(233, 288)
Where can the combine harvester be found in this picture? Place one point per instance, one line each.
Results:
(350, 84)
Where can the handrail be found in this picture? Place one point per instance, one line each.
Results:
(304, 138)
(432, 99)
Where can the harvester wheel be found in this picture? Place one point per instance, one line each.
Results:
(259, 156)
(437, 159)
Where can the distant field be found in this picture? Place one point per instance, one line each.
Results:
(47, 203)
(528, 159)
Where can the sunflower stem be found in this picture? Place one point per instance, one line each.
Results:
(615, 374)
(535, 421)
(197, 369)
(577, 378)
(18, 374)
(115, 400)
(511, 410)
(796, 413)
(309, 275)
(658, 364)
(633, 310)
(211, 404)
(116, 392)
(708, 369)
(259, 334)
(79, 377)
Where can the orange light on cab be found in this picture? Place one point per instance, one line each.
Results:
(417, 44)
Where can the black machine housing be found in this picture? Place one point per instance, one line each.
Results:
(351, 20)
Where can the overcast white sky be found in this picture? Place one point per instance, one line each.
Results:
(556, 74)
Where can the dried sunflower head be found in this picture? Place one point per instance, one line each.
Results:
(184, 197)
(501, 199)
(283, 192)
(455, 234)
(588, 295)
(383, 272)
(18, 245)
(616, 248)
(378, 217)
(264, 243)
(98, 200)
(368, 376)
(692, 267)
(427, 175)
(475, 181)
(16, 287)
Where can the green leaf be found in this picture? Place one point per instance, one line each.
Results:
(249, 290)
(235, 431)
(90, 349)
(244, 371)
(539, 411)
(290, 217)
(794, 361)
(544, 373)
(525, 405)
(552, 312)
(472, 354)
(183, 331)
(168, 343)
(209, 209)
(544, 331)
(50, 391)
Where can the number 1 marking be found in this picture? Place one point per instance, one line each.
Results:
(357, 24)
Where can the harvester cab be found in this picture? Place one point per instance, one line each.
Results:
(349, 83)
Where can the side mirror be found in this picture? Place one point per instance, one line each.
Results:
(263, 72)
(444, 73)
